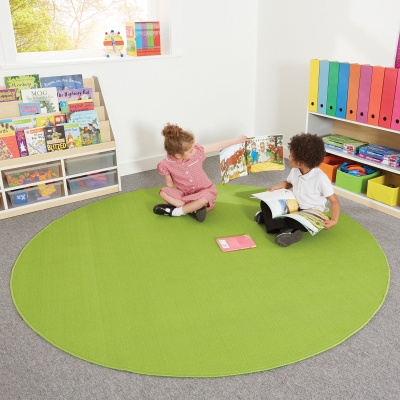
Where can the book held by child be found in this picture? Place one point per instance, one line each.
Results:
(283, 204)
(256, 154)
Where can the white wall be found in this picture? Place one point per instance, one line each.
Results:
(291, 33)
(209, 89)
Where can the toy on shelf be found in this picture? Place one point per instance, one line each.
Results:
(113, 44)
(35, 175)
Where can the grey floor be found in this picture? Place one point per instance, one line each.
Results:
(366, 366)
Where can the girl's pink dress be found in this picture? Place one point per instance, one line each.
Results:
(190, 180)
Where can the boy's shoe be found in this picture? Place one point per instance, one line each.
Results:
(288, 236)
(259, 217)
(163, 209)
(200, 215)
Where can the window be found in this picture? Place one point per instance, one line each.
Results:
(40, 30)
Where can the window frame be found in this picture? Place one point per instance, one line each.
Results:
(166, 11)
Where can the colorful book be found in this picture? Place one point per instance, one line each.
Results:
(62, 82)
(7, 134)
(256, 154)
(72, 135)
(233, 243)
(375, 95)
(5, 152)
(21, 143)
(47, 97)
(8, 95)
(30, 108)
(60, 119)
(388, 92)
(333, 80)
(283, 204)
(80, 105)
(363, 93)
(89, 126)
(55, 138)
(35, 141)
(45, 120)
(20, 82)
(323, 86)
(75, 94)
(130, 39)
(24, 123)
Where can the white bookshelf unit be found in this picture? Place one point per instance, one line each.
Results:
(322, 125)
(79, 174)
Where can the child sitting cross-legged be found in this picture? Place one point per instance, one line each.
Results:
(311, 187)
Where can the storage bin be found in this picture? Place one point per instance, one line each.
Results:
(35, 194)
(91, 182)
(25, 176)
(355, 184)
(330, 165)
(385, 188)
(78, 165)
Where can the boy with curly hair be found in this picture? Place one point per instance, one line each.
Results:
(311, 187)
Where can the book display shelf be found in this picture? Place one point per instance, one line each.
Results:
(322, 125)
(52, 179)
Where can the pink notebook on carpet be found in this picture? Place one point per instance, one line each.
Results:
(236, 243)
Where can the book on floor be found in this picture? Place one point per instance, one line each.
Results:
(233, 243)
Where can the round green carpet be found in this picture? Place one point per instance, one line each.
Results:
(116, 285)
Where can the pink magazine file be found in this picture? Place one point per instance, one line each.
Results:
(236, 243)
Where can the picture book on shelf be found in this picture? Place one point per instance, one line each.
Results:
(55, 138)
(5, 152)
(75, 94)
(72, 135)
(29, 108)
(8, 95)
(21, 143)
(233, 243)
(35, 141)
(24, 123)
(62, 82)
(283, 204)
(80, 105)
(256, 154)
(20, 82)
(89, 126)
(7, 134)
(47, 97)
(45, 120)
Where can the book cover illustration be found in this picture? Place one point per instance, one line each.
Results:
(75, 94)
(20, 82)
(72, 135)
(283, 204)
(35, 141)
(89, 126)
(233, 243)
(45, 120)
(7, 134)
(60, 119)
(62, 82)
(5, 152)
(29, 108)
(55, 138)
(24, 123)
(80, 105)
(47, 97)
(256, 154)
(8, 95)
(130, 39)
(21, 143)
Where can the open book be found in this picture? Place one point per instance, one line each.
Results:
(283, 204)
(256, 154)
